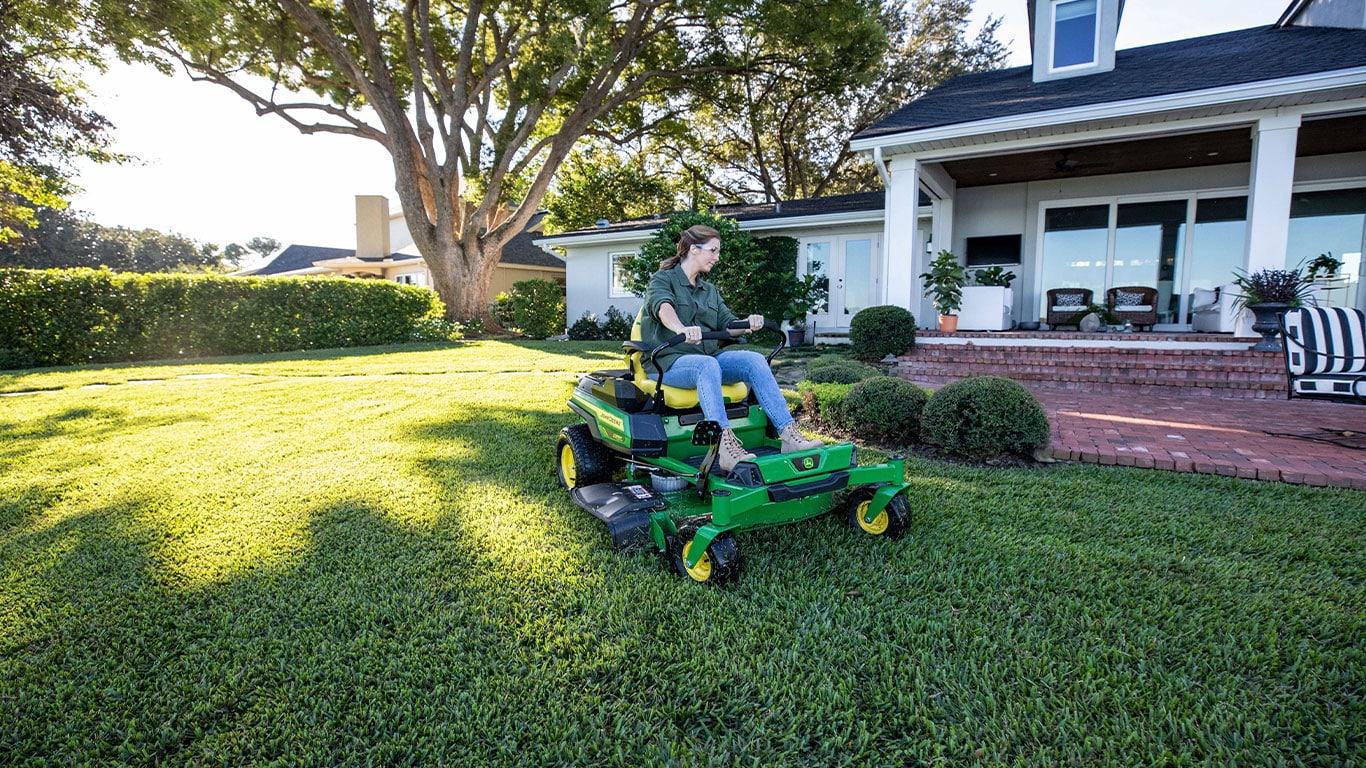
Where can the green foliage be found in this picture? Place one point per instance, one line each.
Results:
(63, 317)
(586, 328)
(1275, 286)
(876, 332)
(885, 408)
(533, 307)
(824, 401)
(327, 558)
(984, 416)
(993, 276)
(837, 369)
(435, 327)
(944, 282)
(616, 325)
(754, 276)
(601, 184)
(64, 239)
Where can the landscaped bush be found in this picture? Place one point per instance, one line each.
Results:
(534, 308)
(62, 317)
(834, 369)
(824, 401)
(437, 328)
(616, 325)
(884, 408)
(586, 328)
(983, 416)
(876, 332)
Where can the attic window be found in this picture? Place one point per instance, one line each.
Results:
(1074, 33)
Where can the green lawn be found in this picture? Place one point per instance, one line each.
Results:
(364, 558)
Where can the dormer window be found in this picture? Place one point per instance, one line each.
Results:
(1075, 38)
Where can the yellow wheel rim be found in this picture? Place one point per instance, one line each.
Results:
(701, 571)
(568, 469)
(879, 524)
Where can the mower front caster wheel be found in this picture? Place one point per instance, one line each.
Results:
(720, 564)
(580, 460)
(891, 522)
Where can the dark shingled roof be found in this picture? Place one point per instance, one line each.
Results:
(520, 250)
(811, 206)
(1196, 64)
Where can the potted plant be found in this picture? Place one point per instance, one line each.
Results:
(1326, 264)
(986, 304)
(1269, 293)
(993, 276)
(944, 286)
(808, 296)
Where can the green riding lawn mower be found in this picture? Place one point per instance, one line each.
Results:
(674, 497)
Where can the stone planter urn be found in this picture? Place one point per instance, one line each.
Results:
(1267, 322)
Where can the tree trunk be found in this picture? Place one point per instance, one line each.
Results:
(462, 280)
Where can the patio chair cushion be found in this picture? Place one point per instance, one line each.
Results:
(1325, 351)
(1129, 299)
(1070, 300)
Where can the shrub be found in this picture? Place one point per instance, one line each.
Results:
(585, 328)
(73, 316)
(533, 307)
(876, 332)
(983, 416)
(436, 328)
(824, 401)
(616, 325)
(886, 407)
(834, 369)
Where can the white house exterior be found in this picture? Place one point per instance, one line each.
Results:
(1168, 166)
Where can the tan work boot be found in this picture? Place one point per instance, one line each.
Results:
(794, 440)
(732, 451)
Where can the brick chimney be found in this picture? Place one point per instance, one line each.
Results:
(372, 226)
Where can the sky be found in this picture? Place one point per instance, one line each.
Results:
(209, 168)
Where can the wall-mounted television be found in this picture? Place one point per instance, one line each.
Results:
(994, 249)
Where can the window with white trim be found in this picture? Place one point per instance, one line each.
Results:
(1076, 36)
(617, 261)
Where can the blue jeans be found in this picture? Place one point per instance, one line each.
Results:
(706, 374)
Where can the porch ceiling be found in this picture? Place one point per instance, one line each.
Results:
(1316, 137)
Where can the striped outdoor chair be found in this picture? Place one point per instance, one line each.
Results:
(1325, 352)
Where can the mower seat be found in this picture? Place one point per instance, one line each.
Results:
(678, 398)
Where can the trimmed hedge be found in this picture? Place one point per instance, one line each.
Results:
(885, 408)
(75, 316)
(984, 416)
(824, 401)
(876, 332)
(836, 369)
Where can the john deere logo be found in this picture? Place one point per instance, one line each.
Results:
(806, 463)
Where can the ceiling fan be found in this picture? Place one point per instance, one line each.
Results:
(1070, 165)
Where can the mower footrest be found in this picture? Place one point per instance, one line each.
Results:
(835, 481)
(625, 509)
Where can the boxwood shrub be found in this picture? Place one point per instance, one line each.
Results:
(884, 408)
(73, 316)
(876, 332)
(836, 369)
(984, 416)
(824, 401)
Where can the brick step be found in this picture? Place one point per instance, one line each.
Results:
(1182, 372)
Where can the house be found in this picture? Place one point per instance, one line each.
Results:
(839, 236)
(384, 250)
(1168, 166)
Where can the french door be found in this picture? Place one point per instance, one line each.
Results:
(849, 266)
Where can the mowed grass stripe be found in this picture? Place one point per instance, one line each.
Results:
(355, 559)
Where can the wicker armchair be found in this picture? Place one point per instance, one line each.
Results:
(1065, 304)
(1134, 303)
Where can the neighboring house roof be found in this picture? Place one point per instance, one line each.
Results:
(1200, 63)
(298, 259)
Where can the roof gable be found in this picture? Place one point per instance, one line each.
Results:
(1201, 63)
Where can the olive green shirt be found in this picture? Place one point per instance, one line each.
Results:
(699, 305)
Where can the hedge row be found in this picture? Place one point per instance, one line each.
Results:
(74, 316)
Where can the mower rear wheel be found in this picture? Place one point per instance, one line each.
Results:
(580, 460)
(720, 564)
(891, 522)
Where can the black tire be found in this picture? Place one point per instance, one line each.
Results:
(891, 523)
(580, 460)
(719, 565)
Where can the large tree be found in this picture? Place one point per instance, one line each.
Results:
(478, 103)
(780, 129)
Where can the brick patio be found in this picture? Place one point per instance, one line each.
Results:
(1178, 402)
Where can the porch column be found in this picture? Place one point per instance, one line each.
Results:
(1268, 200)
(899, 232)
